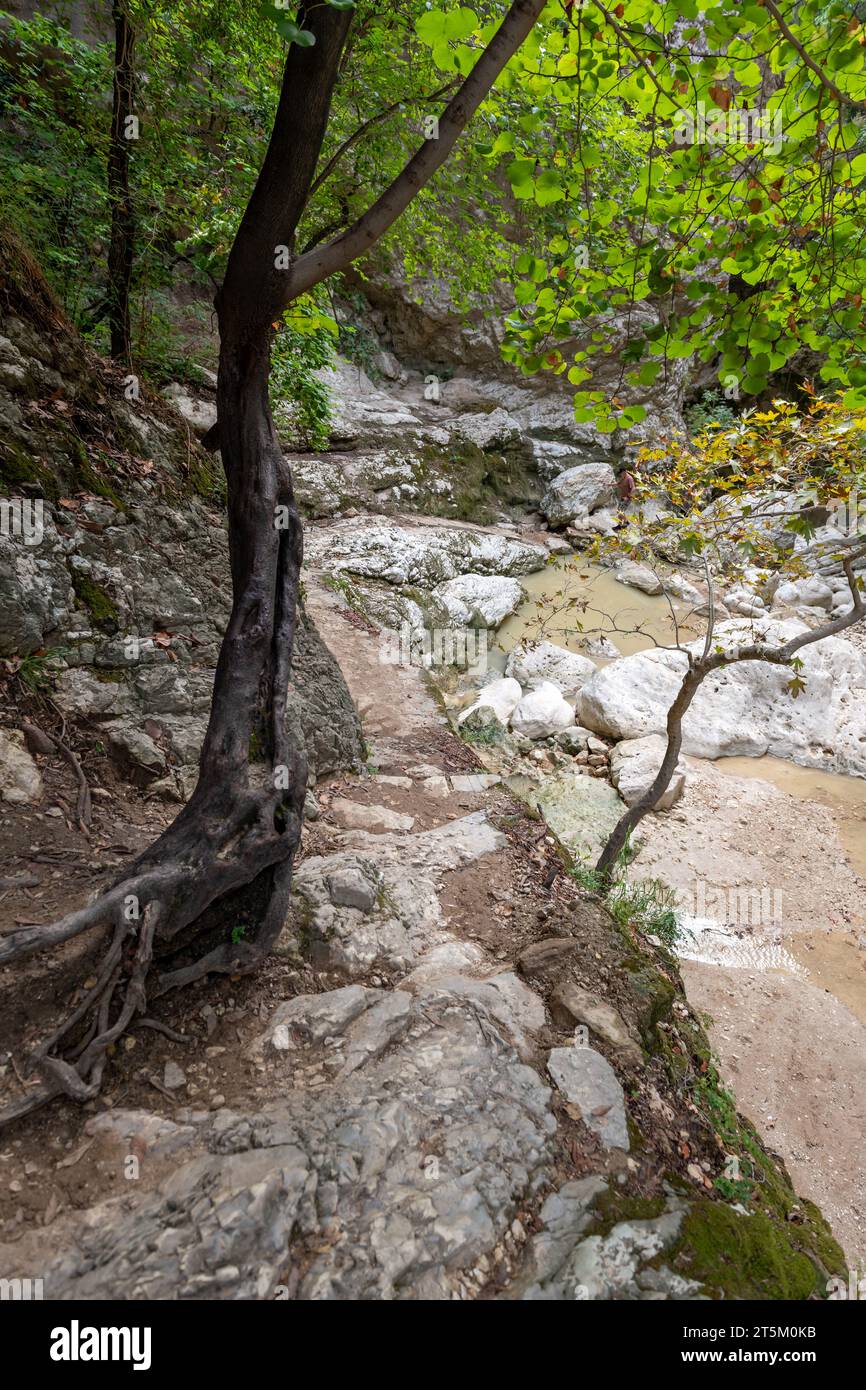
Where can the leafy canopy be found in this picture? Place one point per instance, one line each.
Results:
(742, 222)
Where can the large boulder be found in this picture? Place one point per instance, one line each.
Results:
(579, 491)
(542, 712)
(634, 765)
(321, 711)
(531, 662)
(745, 602)
(581, 811)
(480, 600)
(199, 413)
(812, 592)
(748, 708)
(364, 415)
(500, 696)
(638, 576)
(422, 555)
(682, 588)
(495, 430)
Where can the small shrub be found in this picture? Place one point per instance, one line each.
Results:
(302, 403)
(649, 905)
(711, 409)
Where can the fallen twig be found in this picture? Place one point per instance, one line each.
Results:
(45, 743)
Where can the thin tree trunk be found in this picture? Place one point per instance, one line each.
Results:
(635, 814)
(697, 672)
(122, 244)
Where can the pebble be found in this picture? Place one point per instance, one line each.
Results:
(173, 1077)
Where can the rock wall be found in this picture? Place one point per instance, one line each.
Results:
(123, 596)
(421, 326)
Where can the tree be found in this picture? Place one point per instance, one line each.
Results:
(239, 831)
(752, 504)
(718, 656)
(122, 246)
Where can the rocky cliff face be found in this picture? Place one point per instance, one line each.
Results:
(421, 328)
(125, 596)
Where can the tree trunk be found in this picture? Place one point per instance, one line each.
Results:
(121, 248)
(635, 814)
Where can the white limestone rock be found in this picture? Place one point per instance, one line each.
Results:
(494, 430)
(480, 600)
(502, 696)
(634, 763)
(200, 414)
(638, 576)
(422, 555)
(542, 712)
(682, 588)
(20, 778)
(813, 592)
(531, 662)
(745, 602)
(588, 1081)
(579, 491)
(746, 709)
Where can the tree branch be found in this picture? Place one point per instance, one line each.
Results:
(783, 28)
(362, 130)
(313, 267)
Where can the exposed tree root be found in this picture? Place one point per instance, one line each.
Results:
(165, 914)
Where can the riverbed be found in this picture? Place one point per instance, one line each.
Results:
(769, 861)
(570, 603)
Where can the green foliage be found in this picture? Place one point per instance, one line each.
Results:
(301, 401)
(36, 671)
(610, 169)
(649, 906)
(711, 409)
(98, 603)
(207, 82)
(741, 240)
(754, 1258)
(54, 126)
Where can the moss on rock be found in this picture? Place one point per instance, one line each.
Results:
(98, 603)
(737, 1256)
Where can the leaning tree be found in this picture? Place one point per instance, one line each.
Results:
(777, 497)
(235, 839)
